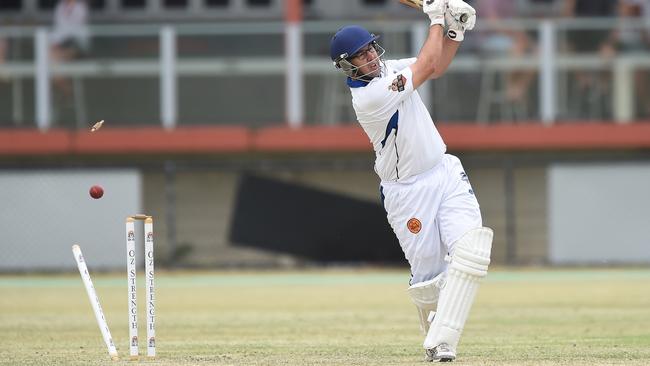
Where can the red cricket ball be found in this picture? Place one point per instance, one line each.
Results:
(96, 192)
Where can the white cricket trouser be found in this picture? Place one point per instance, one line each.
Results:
(429, 213)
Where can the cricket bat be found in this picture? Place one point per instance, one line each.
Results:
(417, 4)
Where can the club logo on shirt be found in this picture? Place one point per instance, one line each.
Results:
(398, 84)
(465, 179)
(414, 225)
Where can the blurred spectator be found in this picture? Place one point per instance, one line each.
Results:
(543, 8)
(592, 88)
(636, 40)
(3, 55)
(504, 41)
(69, 38)
(591, 40)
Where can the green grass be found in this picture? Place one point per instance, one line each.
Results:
(330, 317)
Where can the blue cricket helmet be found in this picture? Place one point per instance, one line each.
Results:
(349, 40)
(346, 43)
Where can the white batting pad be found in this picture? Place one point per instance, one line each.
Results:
(425, 297)
(469, 264)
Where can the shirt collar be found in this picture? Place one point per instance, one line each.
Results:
(356, 83)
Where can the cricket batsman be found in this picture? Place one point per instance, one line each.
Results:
(428, 199)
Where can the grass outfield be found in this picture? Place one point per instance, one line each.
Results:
(330, 317)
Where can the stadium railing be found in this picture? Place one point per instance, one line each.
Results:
(203, 74)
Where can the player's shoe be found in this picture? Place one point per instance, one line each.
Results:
(430, 355)
(442, 353)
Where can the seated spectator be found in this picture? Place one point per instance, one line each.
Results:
(592, 88)
(504, 41)
(599, 40)
(69, 38)
(543, 8)
(3, 55)
(635, 40)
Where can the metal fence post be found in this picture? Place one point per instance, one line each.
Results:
(510, 214)
(548, 72)
(42, 80)
(168, 85)
(294, 78)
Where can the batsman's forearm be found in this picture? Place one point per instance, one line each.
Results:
(431, 52)
(429, 57)
(449, 49)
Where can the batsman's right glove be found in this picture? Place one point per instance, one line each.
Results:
(435, 9)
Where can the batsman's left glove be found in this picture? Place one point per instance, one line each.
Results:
(459, 17)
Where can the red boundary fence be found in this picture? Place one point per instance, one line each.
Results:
(231, 139)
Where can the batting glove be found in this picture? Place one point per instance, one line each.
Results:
(457, 10)
(435, 9)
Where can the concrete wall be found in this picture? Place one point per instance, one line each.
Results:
(203, 207)
(558, 213)
(204, 202)
(531, 213)
(599, 213)
(44, 212)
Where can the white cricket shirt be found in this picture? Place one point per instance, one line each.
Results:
(401, 131)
